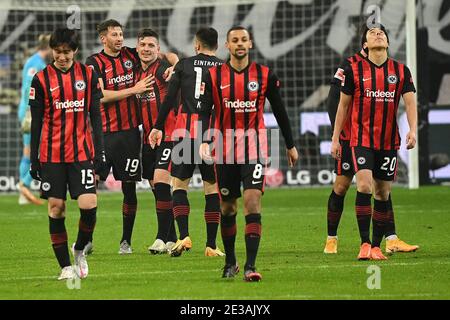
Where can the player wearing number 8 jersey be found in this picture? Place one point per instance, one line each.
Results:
(238, 90)
(64, 100)
(375, 85)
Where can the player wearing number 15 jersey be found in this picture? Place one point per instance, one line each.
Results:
(64, 101)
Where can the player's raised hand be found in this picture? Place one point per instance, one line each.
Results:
(292, 156)
(205, 153)
(168, 73)
(411, 140)
(155, 138)
(144, 85)
(336, 150)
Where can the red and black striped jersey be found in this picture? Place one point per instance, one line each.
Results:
(338, 81)
(239, 98)
(150, 102)
(117, 74)
(187, 81)
(66, 100)
(376, 92)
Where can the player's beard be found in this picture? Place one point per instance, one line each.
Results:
(240, 56)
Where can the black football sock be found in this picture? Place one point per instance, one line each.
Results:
(390, 223)
(212, 218)
(252, 238)
(363, 209)
(86, 226)
(181, 212)
(163, 210)
(129, 209)
(335, 209)
(379, 218)
(58, 236)
(228, 231)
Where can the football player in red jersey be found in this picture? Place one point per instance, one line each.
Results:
(238, 90)
(65, 101)
(374, 87)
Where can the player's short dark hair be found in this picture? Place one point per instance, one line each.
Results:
(208, 37)
(63, 36)
(105, 25)
(239, 28)
(365, 29)
(147, 32)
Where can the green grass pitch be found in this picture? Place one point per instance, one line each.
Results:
(290, 257)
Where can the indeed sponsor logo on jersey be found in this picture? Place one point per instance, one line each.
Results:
(240, 106)
(77, 105)
(380, 94)
(119, 79)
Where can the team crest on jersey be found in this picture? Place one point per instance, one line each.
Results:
(361, 160)
(46, 186)
(80, 85)
(253, 86)
(392, 79)
(345, 166)
(128, 64)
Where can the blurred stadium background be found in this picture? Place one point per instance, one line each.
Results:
(303, 40)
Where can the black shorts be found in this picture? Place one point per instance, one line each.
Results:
(382, 163)
(186, 158)
(123, 150)
(56, 177)
(229, 177)
(344, 166)
(158, 158)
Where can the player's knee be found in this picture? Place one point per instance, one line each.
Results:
(179, 184)
(56, 208)
(228, 208)
(382, 194)
(341, 189)
(209, 187)
(252, 201)
(364, 187)
(161, 176)
(87, 201)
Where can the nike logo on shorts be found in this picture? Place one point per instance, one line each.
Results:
(256, 182)
(89, 187)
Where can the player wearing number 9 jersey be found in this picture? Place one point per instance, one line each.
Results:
(65, 105)
(156, 163)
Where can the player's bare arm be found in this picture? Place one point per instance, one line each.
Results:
(411, 114)
(141, 86)
(341, 116)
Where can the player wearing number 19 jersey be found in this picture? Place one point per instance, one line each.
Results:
(375, 86)
(238, 90)
(64, 100)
